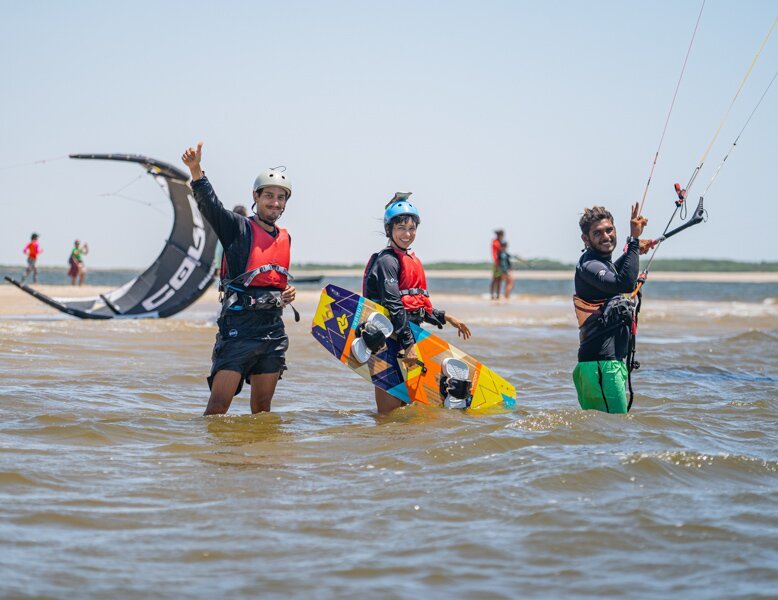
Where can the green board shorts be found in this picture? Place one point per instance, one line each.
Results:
(602, 385)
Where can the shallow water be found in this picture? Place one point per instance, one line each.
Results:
(112, 483)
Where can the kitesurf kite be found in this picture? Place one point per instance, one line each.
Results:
(178, 277)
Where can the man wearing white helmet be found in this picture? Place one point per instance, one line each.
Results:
(395, 279)
(251, 343)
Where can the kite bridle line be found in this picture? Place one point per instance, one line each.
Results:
(670, 111)
(681, 193)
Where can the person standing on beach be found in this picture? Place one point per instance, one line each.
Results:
(32, 250)
(76, 262)
(395, 279)
(494, 286)
(251, 342)
(605, 310)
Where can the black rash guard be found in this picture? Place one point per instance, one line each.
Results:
(598, 279)
(234, 233)
(382, 285)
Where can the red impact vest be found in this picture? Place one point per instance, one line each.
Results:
(413, 282)
(273, 254)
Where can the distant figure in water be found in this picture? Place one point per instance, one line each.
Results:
(505, 270)
(494, 286)
(605, 310)
(32, 250)
(76, 262)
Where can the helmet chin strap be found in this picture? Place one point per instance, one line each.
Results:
(265, 221)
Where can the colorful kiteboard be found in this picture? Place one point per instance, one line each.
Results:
(340, 319)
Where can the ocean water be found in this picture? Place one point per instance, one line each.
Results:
(112, 484)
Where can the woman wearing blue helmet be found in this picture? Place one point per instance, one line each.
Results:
(395, 279)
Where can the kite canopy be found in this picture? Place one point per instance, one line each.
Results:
(177, 278)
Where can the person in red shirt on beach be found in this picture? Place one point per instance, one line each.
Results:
(32, 250)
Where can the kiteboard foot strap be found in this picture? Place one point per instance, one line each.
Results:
(455, 385)
(371, 337)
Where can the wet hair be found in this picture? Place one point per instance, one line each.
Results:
(400, 219)
(591, 216)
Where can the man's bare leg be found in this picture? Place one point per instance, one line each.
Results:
(223, 388)
(263, 386)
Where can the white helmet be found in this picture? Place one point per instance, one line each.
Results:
(275, 176)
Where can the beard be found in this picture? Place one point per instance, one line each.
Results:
(270, 218)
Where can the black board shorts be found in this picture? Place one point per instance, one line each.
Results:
(249, 343)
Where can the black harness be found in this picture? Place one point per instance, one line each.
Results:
(237, 297)
(619, 311)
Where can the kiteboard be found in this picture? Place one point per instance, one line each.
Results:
(444, 375)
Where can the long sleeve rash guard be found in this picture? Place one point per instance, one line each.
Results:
(598, 279)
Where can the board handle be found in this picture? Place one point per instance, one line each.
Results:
(419, 363)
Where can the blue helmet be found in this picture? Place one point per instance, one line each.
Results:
(398, 206)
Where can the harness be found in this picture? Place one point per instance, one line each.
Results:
(266, 269)
(412, 283)
(236, 298)
(245, 292)
(597, 319)
(415, 292)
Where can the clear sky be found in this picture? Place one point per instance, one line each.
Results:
(494, 114)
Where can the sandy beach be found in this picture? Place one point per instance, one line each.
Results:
(14, 302)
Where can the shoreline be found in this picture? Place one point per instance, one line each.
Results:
(16, 303)
(692, 276)
(483, 274)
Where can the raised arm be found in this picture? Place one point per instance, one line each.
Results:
(192, 158)
(225, 223)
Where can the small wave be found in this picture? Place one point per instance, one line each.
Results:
(696, 460)
(516, 321)
(718, 373)
(754, 335)
(547, 421)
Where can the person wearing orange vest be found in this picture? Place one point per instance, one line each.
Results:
(251, 342)
(395, 279)
(32, 250)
